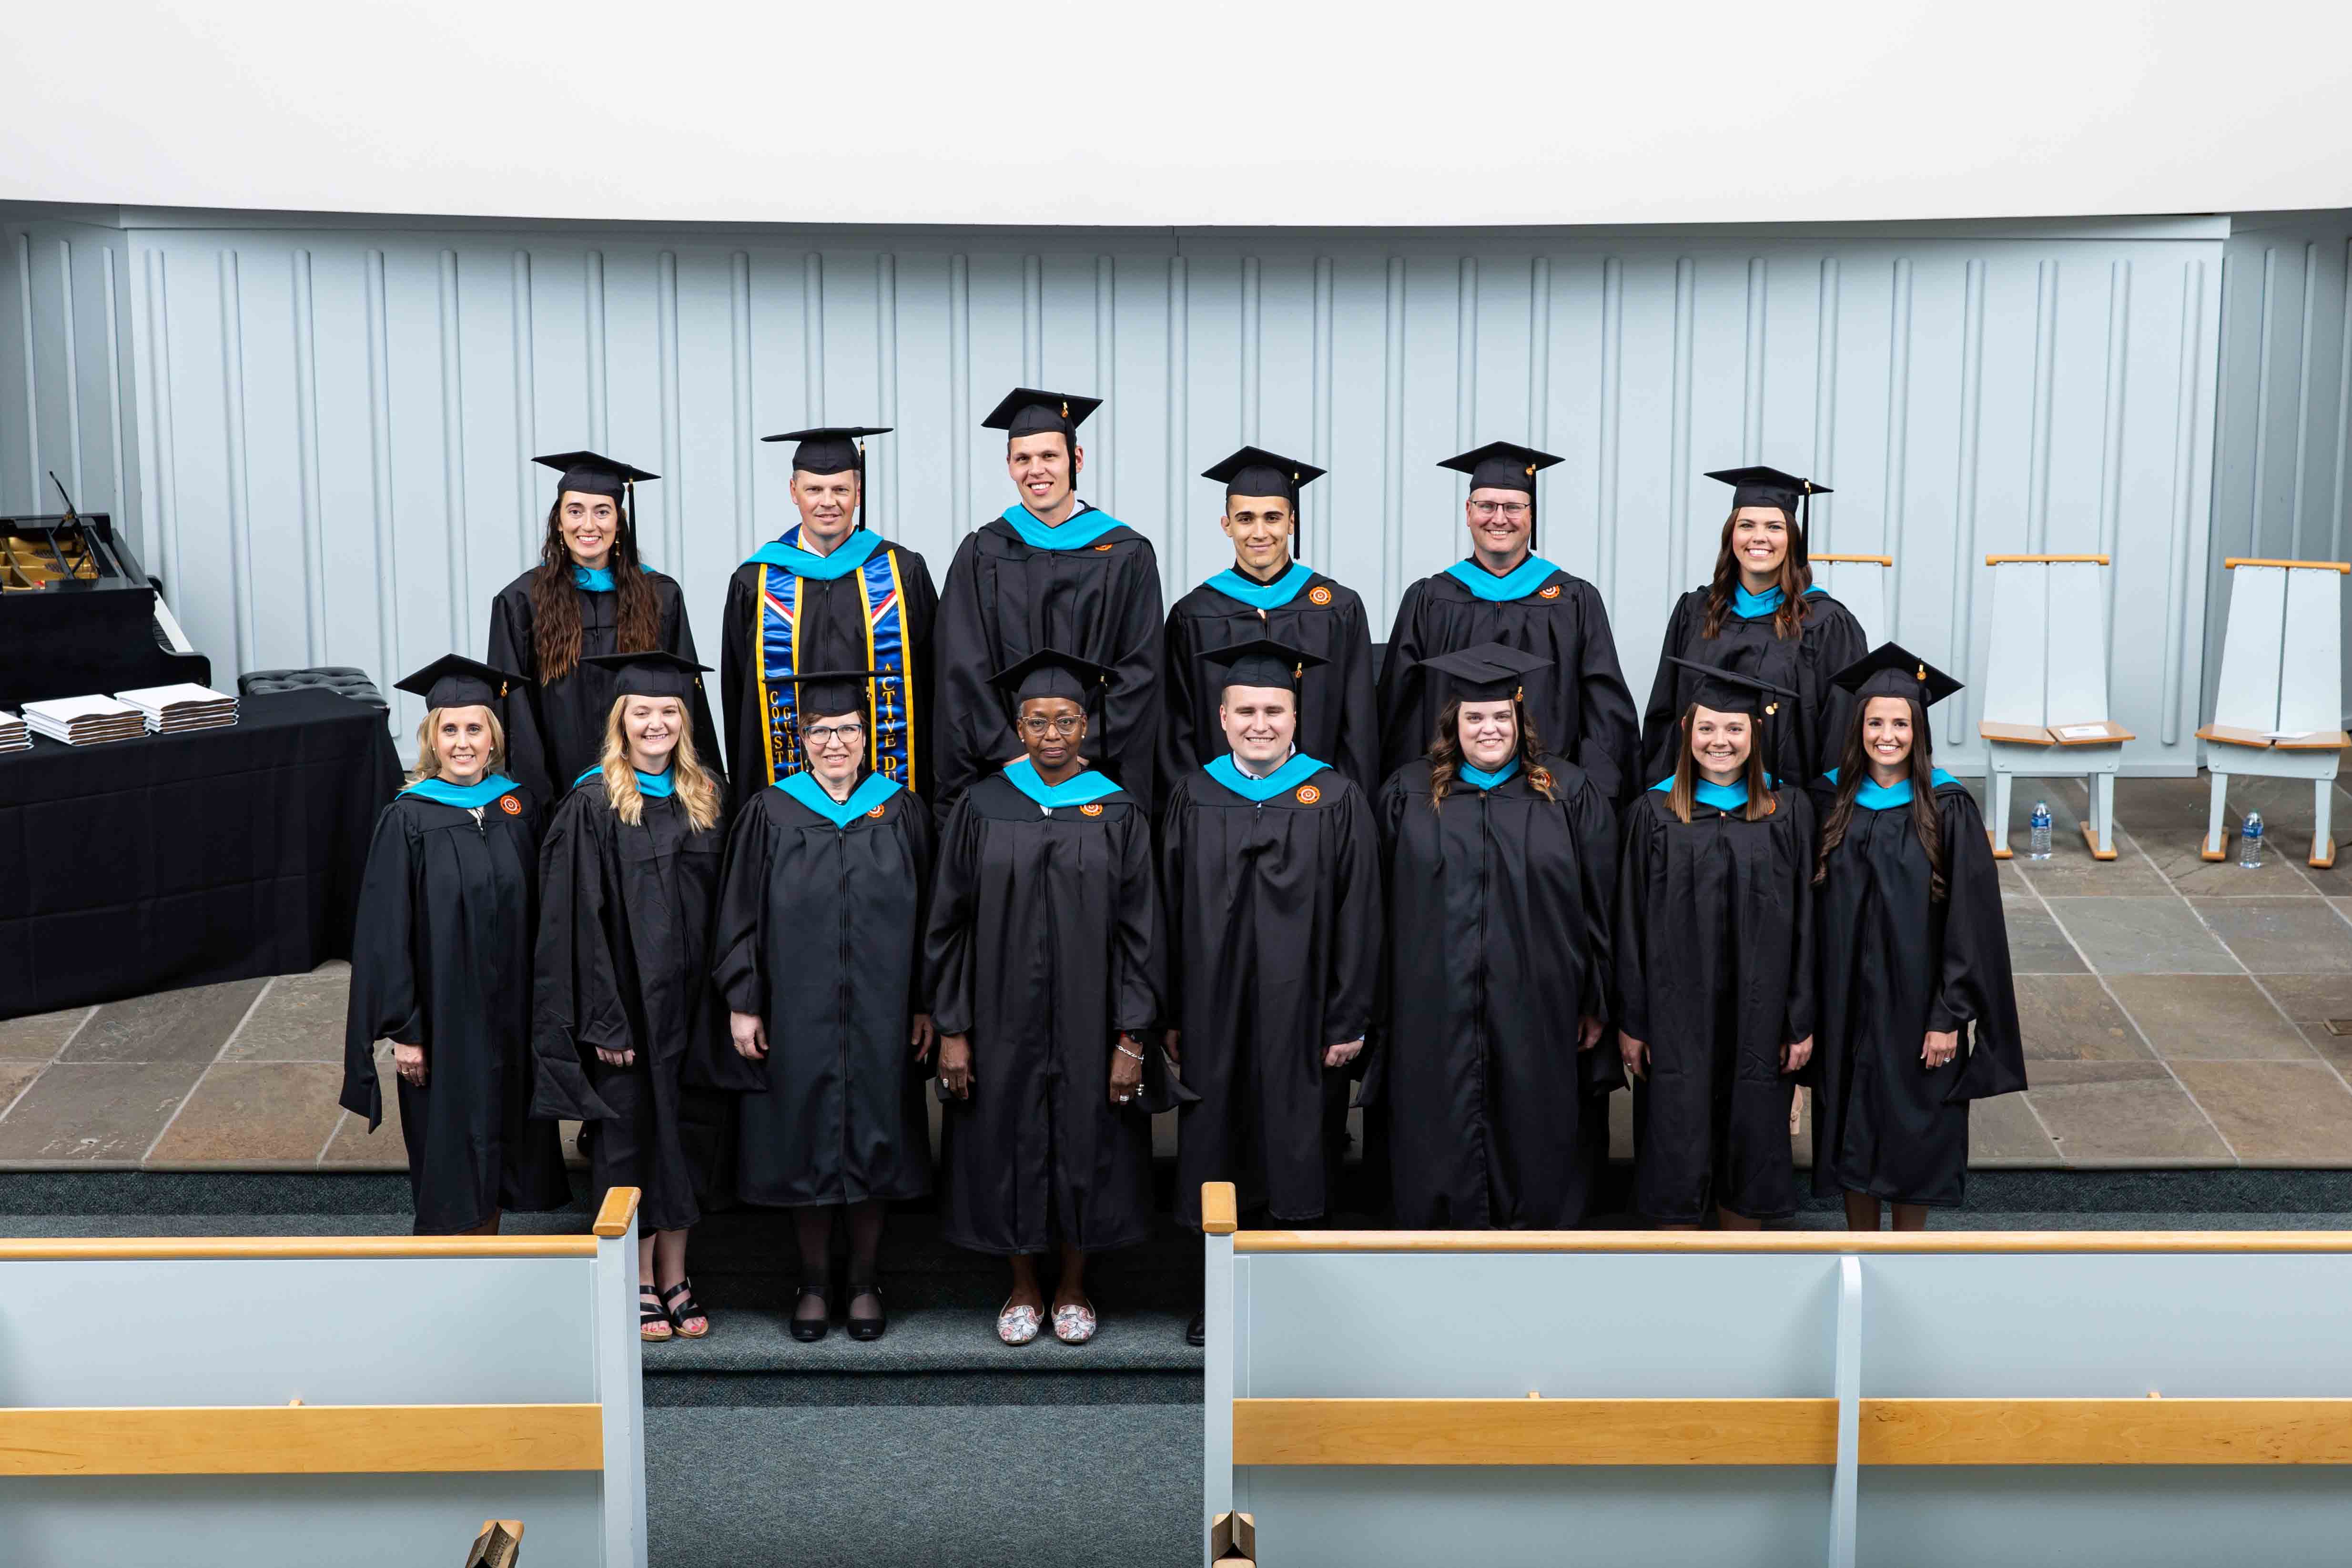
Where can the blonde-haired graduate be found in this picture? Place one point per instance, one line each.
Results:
(441, 965)
(629, 889)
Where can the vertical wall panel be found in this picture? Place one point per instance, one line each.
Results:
(1964, 388)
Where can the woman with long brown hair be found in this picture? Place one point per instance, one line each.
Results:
(1500, 859)
(623, 1003)
(1914, 957)
(1715, 963)
(1761, 616)
(590, 593)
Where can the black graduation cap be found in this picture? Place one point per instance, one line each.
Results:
(1761, 486)
(1728, 690)
(831, 448)
(1501, 465)
(826, 693)
(591, 474)
(1262, 661)
(1025, 411)
(1488, 673)
(1050, 673)
(454, 681)
(652, 673)
(1255, 471)
(1891, 670)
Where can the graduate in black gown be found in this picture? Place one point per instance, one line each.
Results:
(1266, 594)
(1270, 865)
(1051, 573)
(1043, 938)
(831, 594)
(1761, 616)
(821, 915)
(1505, 592)
(590, 593)
(1715, 966)
(441, 966)
(1917, 1015)
(1501, 860)
(628, 886)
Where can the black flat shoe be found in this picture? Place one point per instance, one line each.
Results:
(1196, 1333)
(866, 1328)
(808, 1331)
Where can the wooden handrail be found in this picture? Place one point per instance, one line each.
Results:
(1854, 560)
(1803, 1431)
(2049, 559)
(1218, 1216)
(1810, 1241)
(108, 1248)
(301, 1439)
(613, 1217)
(2233, 562)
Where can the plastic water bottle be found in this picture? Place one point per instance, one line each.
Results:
(2250, 843)
(2041, 850)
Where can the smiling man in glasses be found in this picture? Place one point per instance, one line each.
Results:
(1503, 591)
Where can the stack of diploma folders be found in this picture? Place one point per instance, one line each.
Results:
(12, 736)
(152, 710)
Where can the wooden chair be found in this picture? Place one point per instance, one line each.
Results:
(1858, 582)
(2279, 711)
(2045, 712)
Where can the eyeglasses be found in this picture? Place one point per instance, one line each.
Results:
(1513, 510)
(1067, 724)
(833, 735)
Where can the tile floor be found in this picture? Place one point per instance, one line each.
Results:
(2174, 1011)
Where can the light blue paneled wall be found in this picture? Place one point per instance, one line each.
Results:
(329, 428)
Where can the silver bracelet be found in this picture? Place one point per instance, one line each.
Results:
(1124, 1052)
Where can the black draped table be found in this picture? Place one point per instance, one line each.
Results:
(180, 859)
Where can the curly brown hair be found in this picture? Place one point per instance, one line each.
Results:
(1796, 581)
(1445, 753)
(555, 602)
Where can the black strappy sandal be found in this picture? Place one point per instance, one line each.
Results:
(808, 1331)
(650, 1311)
(680, 1299)
(866, 1328)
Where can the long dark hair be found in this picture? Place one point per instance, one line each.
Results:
(1854, 767)
(1685, 794)
(1445, 752)
(1795, 582)
(555, 602)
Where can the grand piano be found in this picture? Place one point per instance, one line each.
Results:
(78, 615)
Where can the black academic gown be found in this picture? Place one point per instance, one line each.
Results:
(1338, 718)
(1715, 971)
(1003, 603)
(830, 616)
(1893, 965)
(821, 936)
(1274, 946)
(1040, 948)
(441, 958)
(1803, 744)
(1580, 707)
(624, 964)
(556, 732)
(1498, 941)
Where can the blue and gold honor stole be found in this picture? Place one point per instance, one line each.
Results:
(1289, 775)
(1077, 789)
(1517, 583)
(890, 744)
(1077, 532)
(866, 799)
(480, 793)
(1257, 595)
